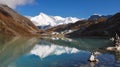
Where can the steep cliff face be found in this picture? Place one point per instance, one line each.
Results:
(13, 24)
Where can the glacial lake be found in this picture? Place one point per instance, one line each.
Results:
(54, 52)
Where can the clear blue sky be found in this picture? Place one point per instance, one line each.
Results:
(74, 8)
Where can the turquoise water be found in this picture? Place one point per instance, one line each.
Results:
(32, 52)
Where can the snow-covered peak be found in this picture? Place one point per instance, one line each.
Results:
(42, 13)
(43, 19)
(58, 18)
(71, 19)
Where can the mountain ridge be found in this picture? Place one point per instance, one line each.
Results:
(107, 28)
(14, 24)
(43, 20)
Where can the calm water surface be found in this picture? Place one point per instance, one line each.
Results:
(32, 52)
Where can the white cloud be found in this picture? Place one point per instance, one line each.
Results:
(14, 3)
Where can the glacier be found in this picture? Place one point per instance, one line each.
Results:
(44, 20)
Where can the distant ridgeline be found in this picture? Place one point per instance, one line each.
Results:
(13, 24)
(97, 26)
(107, 28)
(104, 26)
(75, 29)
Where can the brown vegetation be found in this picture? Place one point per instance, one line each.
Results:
(13, 24)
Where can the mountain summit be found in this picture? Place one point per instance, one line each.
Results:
(43, 19)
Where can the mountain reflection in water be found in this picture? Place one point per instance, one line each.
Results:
(33, 52)
(47, 50)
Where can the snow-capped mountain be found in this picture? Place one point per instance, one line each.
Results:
(43, 20)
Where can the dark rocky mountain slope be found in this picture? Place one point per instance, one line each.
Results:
(95, 17)
(78, 26)
(73, 26)
(13, 24)
(106, 28)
